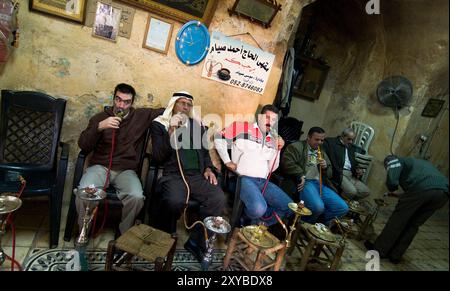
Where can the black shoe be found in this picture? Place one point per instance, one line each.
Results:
(194, 249)
(395, 261)
(369, 245)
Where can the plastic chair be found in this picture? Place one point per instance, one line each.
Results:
(30, 129)
(364, 134)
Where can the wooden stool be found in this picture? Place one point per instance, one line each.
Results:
(252, 257)
(144, 242)
(313, 248)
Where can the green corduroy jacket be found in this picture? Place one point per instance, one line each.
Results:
(293, 167)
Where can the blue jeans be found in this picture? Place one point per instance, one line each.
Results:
(258, 207)
(330, 204)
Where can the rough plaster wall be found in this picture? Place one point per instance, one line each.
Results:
(62, 59)
(408, 38)
(417, 47)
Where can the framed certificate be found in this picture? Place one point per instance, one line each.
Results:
(157, 34)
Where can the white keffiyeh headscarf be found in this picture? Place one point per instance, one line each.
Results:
(164, 119)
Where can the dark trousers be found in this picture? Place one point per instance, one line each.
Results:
(210, 197)
(411, 211)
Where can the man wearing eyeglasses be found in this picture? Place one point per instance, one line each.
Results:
(128, 126)
(346, 174)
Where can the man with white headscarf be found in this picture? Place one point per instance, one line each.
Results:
(196, 166)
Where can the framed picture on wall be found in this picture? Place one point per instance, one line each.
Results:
(107, 21)
(310, 83)
(261, 11)
(157, 34)
(73, 10)
(433, 107)
(183, 11)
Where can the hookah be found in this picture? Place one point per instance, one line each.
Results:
(215, 224)
(8, 204)
(319, 158)
(299, 209)
(92, 197)
(343, 228)
(210, 65)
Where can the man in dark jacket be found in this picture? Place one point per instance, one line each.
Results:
(346, 174)
(129, 129)
(189, 164)
(425, 191)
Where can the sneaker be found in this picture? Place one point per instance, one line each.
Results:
(369, 245)
(395, 260)
(194, 249)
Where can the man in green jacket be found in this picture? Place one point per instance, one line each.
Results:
(305, 170)
(425, 191)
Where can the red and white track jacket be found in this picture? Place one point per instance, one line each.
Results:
(251, 151)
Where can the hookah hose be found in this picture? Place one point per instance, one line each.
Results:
(263, 192)
(188, 190)
(9, 219)
(105, 214)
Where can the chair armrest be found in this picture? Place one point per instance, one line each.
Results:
(65, 147)
(62, 169)
(79, 167)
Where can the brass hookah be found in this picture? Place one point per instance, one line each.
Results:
(319, 158)
(8, 204)
(299, 209)
(343, 229)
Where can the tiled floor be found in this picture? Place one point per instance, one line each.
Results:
(429, 250)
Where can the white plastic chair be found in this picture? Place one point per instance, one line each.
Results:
(363, 134)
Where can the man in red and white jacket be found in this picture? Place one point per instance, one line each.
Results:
(255, 152)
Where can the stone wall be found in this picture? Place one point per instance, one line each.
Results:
(63, 59)
(408, 38)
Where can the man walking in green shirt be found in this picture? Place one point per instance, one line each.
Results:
(425, 191)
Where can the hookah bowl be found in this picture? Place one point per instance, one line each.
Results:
(8, 204)
(215, 225)
(91, 196)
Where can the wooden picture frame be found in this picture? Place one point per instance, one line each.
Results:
(73, 10)
(177, 10)
(310, 83)
(261, 11)
(433, 107)
(157, 34)
(107, 21)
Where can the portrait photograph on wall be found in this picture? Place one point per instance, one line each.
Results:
(107, 21)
